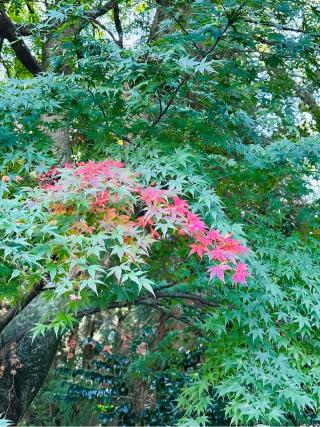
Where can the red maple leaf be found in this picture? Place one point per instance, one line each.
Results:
(241, 273)
(218, 270)
(198, 248)
(154, 195)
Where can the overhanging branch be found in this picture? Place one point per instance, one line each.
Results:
(200, 300)
(27, 29)
(143, 300)
(105, 8)
(23, 53)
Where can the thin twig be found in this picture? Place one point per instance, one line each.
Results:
(160, 101)
(99, 105)
(166, 108)
(230, 22)
(170, 314)
(185, 31)
(99, 24)
(208, 52)
(168, 285)
(280, 27)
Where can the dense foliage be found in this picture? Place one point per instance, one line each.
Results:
(213, 109)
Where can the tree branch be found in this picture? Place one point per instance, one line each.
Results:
(160, 101)
(281, 27)
(98, 103)
(176, 20)
(143, 299)
(231, 20)
(8, 31)
(106, 7)
(168, 285)
(171, 315)
(98, 23)
(187, 296)
(118, 25)
(166, 108)
(26, 30)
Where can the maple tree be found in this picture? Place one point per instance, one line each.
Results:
(93, 225)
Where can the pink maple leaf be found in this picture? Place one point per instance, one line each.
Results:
(53, 187)
(221, 254)
(241, 273)
(198, 248)
(203, 239)
(234, 246)
(153, 195)
(91, 172)
(180, 206)
(218, 270)
(214, 235)
(194, 224)
(102, 199)
(144, 221)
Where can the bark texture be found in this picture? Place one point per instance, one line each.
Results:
(19, 385)
(308, 98)
(60, 139)
(160, 16)
(23, 53)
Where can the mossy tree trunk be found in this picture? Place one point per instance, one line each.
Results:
(26, 362)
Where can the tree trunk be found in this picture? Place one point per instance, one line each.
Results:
(60, 139)
(308, 98)
(26, 362)
(61, 136)
(159, 16)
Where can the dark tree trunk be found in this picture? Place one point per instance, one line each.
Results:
(8, 31)
(26, 362)
(160, 15)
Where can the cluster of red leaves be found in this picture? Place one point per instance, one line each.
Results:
(160, 207)
(211, 243)
(92, 172)
(48, 180)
